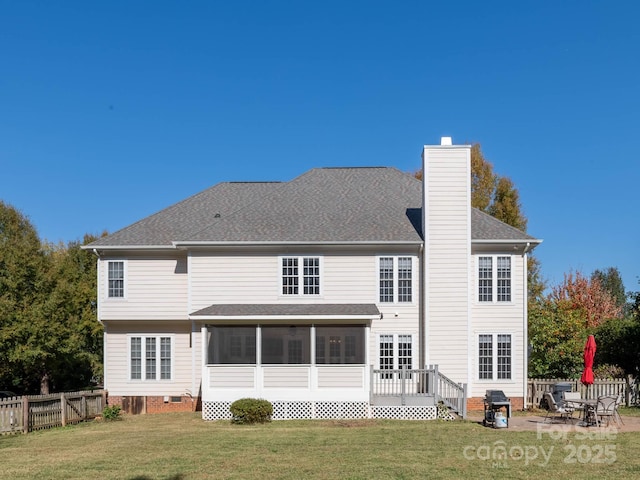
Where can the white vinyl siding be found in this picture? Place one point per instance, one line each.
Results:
(118, 368)
(447, 230)
(256, 278)
(154, 287)
(494, 318)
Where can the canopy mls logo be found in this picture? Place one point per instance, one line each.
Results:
(575, 445)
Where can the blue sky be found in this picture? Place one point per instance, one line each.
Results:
(111, 111)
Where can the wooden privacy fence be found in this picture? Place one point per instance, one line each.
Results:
(35, 412)
(612, 386)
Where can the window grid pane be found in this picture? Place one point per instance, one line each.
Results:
(386, 279)
(289, 276)
(136, 358)
(485, 357)
(504, 279)
(165, 358)
(320, 347)
(504, 357)
(386, 354)
(335, 348)
(404, 279)
(150, 358)
(485, 279)
(404, 352)
(311, 276)
(295, 352)
(116, 279)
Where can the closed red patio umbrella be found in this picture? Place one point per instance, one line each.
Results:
(589, 353)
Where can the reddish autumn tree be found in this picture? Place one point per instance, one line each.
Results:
(588, 296)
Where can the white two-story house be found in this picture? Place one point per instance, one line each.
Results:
(345, 292)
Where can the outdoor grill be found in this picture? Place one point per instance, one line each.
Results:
(494, 400)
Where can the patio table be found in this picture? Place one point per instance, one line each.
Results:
(589, 405)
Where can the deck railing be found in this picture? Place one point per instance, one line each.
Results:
(427, 382)
(452, 394)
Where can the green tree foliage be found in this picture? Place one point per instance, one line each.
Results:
(611, 281)
(560, 322)
(22, 261)
(49, 334)
(506, 205)
(618, 344)
(557, 337)
(618, 340)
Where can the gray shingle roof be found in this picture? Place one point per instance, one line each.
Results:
(190, 215)
(376, 204)
(486, 227)
(250, 310)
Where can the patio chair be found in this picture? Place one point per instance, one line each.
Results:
(555, 409)
(616, 415)
(569, 405)
(606, 409)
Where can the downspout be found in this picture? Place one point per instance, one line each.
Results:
(104, 327)
(422, 326)
(525, 325)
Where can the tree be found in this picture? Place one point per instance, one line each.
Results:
(48, 329)
(498, 197)
(483, 180)
(587, 296)
(611, 281)
(22, 261)
(557, 336)
(506, 205)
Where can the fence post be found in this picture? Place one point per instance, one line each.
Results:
(83, 406)
(627, 390)
(63, 410)
(25, 414)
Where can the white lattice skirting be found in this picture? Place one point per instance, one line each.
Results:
(327, 410)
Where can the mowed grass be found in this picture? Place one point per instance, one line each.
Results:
(183, 446)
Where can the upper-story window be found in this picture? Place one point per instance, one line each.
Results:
(494, 279)
(300, 275)
(395, 279)
(115, 280)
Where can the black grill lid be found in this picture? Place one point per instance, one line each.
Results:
(494, 396)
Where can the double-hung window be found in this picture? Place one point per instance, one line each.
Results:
(115, 279)
(150, 358)
(494, 279)
(300, 275)
(395, 279)
(494, 356)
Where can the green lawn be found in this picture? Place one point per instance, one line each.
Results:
(183, 446)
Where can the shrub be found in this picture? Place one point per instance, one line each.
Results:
(111, 412)
(251, 410)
